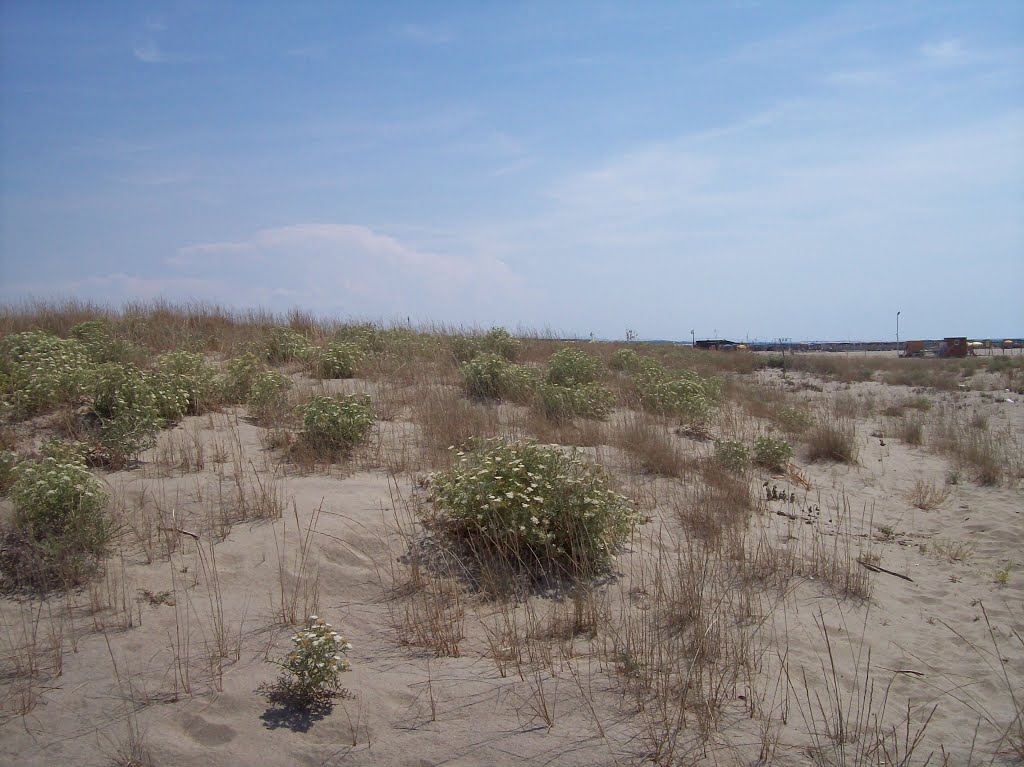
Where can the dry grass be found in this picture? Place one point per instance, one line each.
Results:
(650, 446)
(832, 438)
(928, 496)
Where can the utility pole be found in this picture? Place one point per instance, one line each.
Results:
(897, 333)
(693, 340)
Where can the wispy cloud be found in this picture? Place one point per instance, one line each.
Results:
(354, 269)
(943, 52)
(427, 34)
(149, 53)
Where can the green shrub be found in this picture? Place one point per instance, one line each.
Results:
(282, 345)
(367, 337)
(190, 374)
(572, 367)
(485, 376)
(495, 341)
(239, 376)
(772, 453)
(312, 668)
(123, 417)
(520, 383)
(500, 341)
(533, 507)
(41, 371)
(794, 420)
(60, 528)
(683, 394)
(102, 344)
(338, 359)
(625, 360)
(560, 403)
(732, 454)
(65, 452)
(331, 425)
(268, 396)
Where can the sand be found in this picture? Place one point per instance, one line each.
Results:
(162, 659)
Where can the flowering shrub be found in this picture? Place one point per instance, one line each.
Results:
(732, 454)
(533, 506)
(313, 666)
(624, 359)
(771, 453)
(495, 341)
(337, 360)
(283, 344)
(367, 337)
(124, 416)
(42, 371)
(188, 374)
(330, 424)
(572, 367)
(239, 376)
(491, 376)
(65, 452)
(685, 394)
(59, 525)
(102, 344)
(564, 402)
(268, 396)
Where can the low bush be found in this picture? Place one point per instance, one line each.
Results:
(8, 461)
(491, 376)
(793, 420)
(495, 341)
(60, 528)
(685, 394)
(191, 378)
(239, 375)
(333, 425)
(561, 403)
(732, 454)
(313, 667)
(40, 371)
(338, 359)
(102, 343)
(123, 418)
(282, 345)
(534, 508)
(268, 396)
(772, 453)
(572, 367)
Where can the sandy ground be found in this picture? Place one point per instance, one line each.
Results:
(162, 659)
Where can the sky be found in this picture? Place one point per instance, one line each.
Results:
(737, 169)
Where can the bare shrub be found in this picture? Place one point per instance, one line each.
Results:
(928, 496)
(832, 439)
(649, 446)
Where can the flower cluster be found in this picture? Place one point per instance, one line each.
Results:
(283, 344)
(268, 395)
(533, 504)
(316, 660)
(772, 453)
(684, 394)
(41, 371)
(338, 359)
(125, 414)
(58, 499)
(573, 367)
(191, 379)
(336, 424)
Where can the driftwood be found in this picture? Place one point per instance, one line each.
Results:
(877, 569)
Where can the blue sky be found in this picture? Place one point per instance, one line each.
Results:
(761, 169)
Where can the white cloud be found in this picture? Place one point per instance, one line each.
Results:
(943, 52)
(353, 269)
(426, 34)
(149, 53)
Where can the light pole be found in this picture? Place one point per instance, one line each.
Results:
(897, 334)
(693, 340)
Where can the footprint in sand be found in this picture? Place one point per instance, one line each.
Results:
(208, 733)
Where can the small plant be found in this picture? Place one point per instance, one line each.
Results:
(40, 371)
(331, 425)
(732, 454)
(313, 667)
(337, 360)
(832, 439)
(282, 345)
(561, 403)
(534, 508)
(191, 379)
(772, 453)
(927, 496)
(268, 396)
(124, 416)
(60, 528)
(794, 420)
(1001, 577)
(572, 367)
(8, 460)
(495, 341)
(239, 377)
(484, 376)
